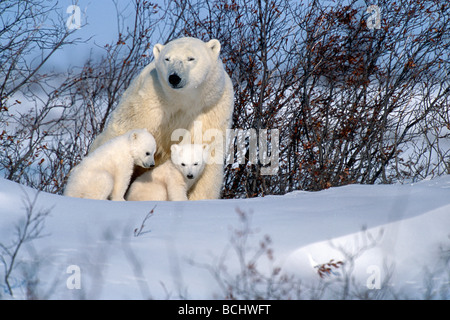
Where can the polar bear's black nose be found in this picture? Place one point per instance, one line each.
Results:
(190, 176)
(174, 79)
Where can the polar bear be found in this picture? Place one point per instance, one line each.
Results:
(171, 180)
(185, 83)
(105, 173)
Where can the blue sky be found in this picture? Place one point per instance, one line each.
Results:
(99, 27)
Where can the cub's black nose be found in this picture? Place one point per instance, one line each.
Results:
(190, 176)
(174, 79)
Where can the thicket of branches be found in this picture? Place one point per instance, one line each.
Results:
(352, 104)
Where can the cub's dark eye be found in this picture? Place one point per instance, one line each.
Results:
(167, 59)
(147, 153)
(191, 59)
(196, 164)
(183, 164)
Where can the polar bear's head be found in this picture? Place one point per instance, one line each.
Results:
(186, 62)
(190, 159)
(143, 148)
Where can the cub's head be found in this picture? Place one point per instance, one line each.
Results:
(185, 63)
(143, 148)
(190, 159)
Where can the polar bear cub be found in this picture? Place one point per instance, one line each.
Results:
(174, 178)
(106, 172)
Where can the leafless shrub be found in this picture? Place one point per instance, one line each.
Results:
(28, 229)
(140, 230)
(248, 280)
(436, 280)
(64, 110)
(347, 286)
(328, 268)
(245, 271)
(349, 101)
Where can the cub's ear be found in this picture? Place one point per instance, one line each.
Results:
(214, 45)
(157, 50)
(207, 148)
(174, 148)
(134, 136)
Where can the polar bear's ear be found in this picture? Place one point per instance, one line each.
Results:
(157, 50)
(214, 45)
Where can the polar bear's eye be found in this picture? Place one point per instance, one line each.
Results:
(147, 153)
(191, 59)
(183, 164)
(167, 59)
(196, 164)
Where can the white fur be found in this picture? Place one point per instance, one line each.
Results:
(106, 172)
(174, 178)
(204, 93)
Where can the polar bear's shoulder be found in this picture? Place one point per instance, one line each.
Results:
(146, 80)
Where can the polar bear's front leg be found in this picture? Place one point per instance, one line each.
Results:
(176, 188)
(209, 184)
(177, 193)
(117, 194)
(121, 182)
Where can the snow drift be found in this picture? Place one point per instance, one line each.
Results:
(357, 241)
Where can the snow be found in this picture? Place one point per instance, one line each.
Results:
(393, 240)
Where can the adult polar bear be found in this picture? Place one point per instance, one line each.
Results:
(185, 83)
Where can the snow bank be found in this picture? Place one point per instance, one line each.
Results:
(393, 241)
